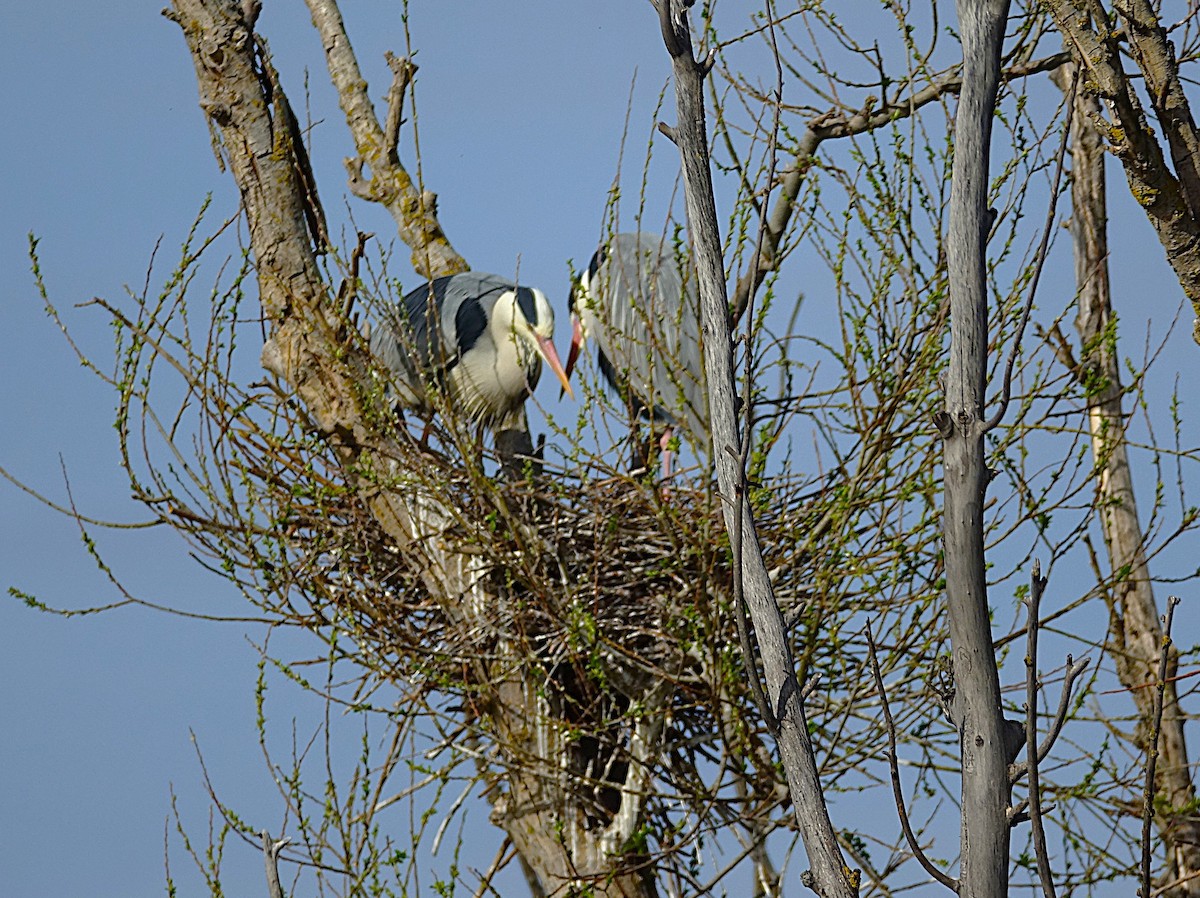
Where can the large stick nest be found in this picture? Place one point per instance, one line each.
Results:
(592, 583)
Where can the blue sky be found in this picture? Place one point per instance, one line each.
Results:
(104, 151)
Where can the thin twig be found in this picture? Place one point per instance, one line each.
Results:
(897, 792)
(349, 289)
(1036, 587)
(833, 125)
(1174, 884)
(1038, 262)
(1072, 673)
(503, 856)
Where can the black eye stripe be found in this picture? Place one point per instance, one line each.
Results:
(527, 305)
(598, 258)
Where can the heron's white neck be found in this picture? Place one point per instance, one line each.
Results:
(498, 380)
(511, 337)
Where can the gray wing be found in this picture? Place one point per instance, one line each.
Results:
(424, 335)
(651, 334)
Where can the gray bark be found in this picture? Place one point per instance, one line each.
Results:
(1171, 199)
(829, 876)
(1135, 630)
(986, 741)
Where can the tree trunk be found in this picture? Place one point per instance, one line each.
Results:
(539, 799)
(986, 744)
(1135, 632)
(829, 876)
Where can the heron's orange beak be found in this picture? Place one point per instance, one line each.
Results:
(546, 347)
(576, 344)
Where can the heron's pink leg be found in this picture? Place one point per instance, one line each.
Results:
(664, 446)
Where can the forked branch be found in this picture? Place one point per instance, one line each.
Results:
(388, 182)
(1072, 673)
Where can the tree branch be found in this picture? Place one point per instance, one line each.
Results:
(833, 125)
(1152, 755)
(1155, 57)
(893, 766)
(1036, 587)
(403, 71)
(271, 849)
(829, 873)
(984, 736)
(1073, 671)
(389, 183)
(1170, 203)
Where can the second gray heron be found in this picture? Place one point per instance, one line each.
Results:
(638, 303)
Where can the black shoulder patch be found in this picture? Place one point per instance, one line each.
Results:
(527, 305)
(469, 323)
(598, 258)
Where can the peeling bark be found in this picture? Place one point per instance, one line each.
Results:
(1135, 631)
(1170, 199)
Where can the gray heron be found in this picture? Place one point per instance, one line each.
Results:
(639, 305)
(479, 337)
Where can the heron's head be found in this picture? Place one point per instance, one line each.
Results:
(581, 295)
(532, 323)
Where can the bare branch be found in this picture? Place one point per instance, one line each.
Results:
(1036, 588)
(832, 877)
(389, 183)
(1074, 669)
(893, 766)
(271, 849)
(348, 291)
(403, 71)
(1152, 755)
